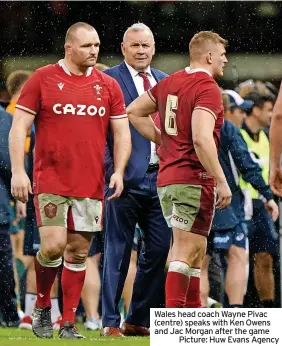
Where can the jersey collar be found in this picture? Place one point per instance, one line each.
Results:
(67, 71)
(189, 70)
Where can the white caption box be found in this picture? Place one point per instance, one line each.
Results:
(215, 327)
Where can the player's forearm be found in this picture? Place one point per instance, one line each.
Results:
(276, 140)
(147, 128)
(17, 139)
(207, 154)
(122, 150)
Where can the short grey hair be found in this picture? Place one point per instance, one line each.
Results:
(138, 27)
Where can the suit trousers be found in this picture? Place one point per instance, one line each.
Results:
(8, 303)
(142, 206)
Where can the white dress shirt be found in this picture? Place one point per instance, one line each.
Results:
(139, 84)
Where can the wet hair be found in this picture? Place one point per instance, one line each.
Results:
(198, 41)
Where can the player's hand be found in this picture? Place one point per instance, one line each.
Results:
(20, 210)
(20, 186)
(275, 181)
(272, 209)
(224, 195)
(116, 183)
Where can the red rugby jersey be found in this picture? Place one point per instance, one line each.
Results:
(177, 96)
(71, 122)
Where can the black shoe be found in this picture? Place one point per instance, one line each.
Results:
(68, 331)
(42, 323)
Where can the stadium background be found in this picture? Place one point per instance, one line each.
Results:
(32, 35)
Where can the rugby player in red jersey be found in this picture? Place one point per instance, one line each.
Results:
(72, 105)
(191, 115)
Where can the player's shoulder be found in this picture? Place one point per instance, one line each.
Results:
(178, 74)
(104, 78)
(205, 81)
(173, 78)
(203, 77)
(47, 69)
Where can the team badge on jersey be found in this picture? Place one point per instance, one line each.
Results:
(50, 210)
(98, 89)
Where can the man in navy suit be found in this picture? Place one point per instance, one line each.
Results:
(139, 203)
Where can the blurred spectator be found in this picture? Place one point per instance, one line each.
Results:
(92, 284)
(4, 98)
(264, 89)
(14, 84)
(264, 242)
(229, 232)
(235, 107)
(8, 304)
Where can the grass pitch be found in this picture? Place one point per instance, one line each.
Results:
(20, 337)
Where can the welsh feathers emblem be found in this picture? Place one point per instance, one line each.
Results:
(50, 210)
(98, 89)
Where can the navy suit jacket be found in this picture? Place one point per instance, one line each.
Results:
(141, 147)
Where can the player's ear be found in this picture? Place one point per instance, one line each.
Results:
(67, 48)
(209, 58)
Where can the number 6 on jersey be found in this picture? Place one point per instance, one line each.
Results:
(170, 115)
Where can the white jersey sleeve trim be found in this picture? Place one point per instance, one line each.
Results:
(118, 116)
(28, 110)
(208, 110)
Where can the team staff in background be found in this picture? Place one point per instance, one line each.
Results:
(72, 105)
(191, 115)
(139, 203)
(264, 240)
(229, 231)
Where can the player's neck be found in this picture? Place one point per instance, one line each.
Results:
(196, 65)
(74, 69)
